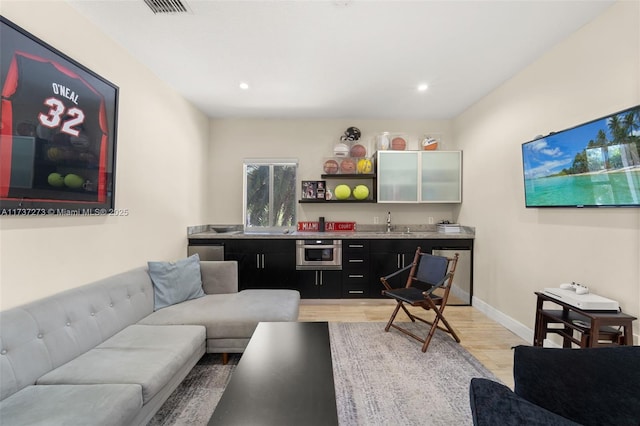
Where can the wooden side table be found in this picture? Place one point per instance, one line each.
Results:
(593, 326)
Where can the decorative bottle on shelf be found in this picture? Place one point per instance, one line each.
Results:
(328, 195)
(382, 141)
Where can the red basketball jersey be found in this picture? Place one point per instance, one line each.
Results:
(48, 101)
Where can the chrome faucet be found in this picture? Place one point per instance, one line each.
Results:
(389, 222)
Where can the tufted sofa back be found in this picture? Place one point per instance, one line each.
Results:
(42, 335)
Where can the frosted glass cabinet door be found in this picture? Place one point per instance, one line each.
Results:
(441, 177)
(398, 176)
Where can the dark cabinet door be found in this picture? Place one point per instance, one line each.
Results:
(278, 265)
(263, 263)
(320, 284)
(387, 256)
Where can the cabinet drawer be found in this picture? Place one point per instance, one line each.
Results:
(355, 263)
(355, 246)
(355, 291)
(355, 254)
(355, 277)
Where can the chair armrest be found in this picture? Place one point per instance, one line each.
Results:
(384, 279)
(437, 285)
(493, 404)
(219, 277)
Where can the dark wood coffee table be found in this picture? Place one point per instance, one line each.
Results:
(285, 377)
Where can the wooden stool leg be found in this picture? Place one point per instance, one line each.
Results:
(225, 358)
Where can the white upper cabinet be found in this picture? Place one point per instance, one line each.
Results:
(441, 180)
(398, 176)
(419, 176)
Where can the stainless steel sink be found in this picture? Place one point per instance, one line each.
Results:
(224, 229)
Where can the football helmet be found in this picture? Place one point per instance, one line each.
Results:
(351, 134)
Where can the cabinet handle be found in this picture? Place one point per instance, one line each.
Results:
(356, 291)
(258, 261)
(356, 276)
(356, 260)
(263, 261)
(316, 283)
(320, 277)
(398, 261)
(356, 245)
(403, 264)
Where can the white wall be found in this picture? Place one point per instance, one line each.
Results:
(160, 173)
(594, 72)
(310, 141)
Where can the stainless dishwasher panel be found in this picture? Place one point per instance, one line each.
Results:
(207, 252)
(460, 293)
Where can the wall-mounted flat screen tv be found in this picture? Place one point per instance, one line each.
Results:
(595, 164)
(58, 130)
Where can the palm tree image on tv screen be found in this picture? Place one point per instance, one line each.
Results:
(595, 164)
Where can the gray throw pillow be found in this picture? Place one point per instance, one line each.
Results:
(175, 282)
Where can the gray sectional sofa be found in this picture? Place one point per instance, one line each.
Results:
(100, 354)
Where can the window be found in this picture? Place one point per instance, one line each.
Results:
(269, 194)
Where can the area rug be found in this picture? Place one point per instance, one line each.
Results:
(194, 400)
(384, 378)
(380, 379)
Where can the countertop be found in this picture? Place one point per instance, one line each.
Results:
(420, 232)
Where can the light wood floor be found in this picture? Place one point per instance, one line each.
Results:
(487, 340)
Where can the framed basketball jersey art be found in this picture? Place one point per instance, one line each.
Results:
(57, 130)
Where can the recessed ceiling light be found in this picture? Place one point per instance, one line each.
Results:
(422, 87)
(244, 86)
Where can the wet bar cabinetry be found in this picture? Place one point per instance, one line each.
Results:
(419, 176)
(271, 263)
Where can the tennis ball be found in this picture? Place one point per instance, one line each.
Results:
(55, 179)
(342, 192)
(361, 192)
(73, 181)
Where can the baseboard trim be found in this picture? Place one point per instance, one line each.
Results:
(504, 320)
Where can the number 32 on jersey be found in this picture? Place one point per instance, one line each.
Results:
(70, 119)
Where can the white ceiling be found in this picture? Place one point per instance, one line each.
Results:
(339, 59)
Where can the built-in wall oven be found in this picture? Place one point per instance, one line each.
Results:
(319, 254)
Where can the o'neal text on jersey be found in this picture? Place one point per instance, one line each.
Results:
(65, 92)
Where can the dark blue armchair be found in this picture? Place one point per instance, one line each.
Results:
(591, 386)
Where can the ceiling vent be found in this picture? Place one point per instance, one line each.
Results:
(167, 6)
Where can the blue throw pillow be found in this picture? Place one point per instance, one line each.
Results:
(175, 282)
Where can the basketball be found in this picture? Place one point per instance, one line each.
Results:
(348, 166)
(398, 144)
(331, 167)
(358, 151)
